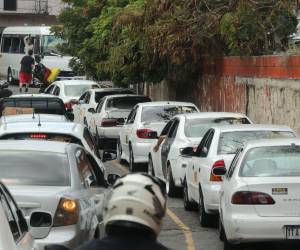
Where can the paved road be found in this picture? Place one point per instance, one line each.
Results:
(181, 229)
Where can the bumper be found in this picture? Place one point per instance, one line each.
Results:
(141, 151)
(211, 197)
(252, 228)
(109, 132)
(68, 236)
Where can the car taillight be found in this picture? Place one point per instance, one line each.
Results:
(217, 164)
(38, 136)
(144, 133)
(107, 122)
(67, 213)
(70, 104)
(251, 198)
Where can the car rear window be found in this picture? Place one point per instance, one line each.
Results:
(41, 106)
(164, 113)
(230, 141)
(271, 161)
(78, 90)
(42, 136)
(197, 127)
(125, 102)
(100, 95)
(22, 167)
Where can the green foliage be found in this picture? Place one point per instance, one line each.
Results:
(135, 41)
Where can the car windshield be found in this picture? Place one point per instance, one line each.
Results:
(35, 168)
(78, 90)
(230, 141)
(164, 113)
(50, 45)
(125, 102)
(197, 127)
(101, 94)
(272, 161)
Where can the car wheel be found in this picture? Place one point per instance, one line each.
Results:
(204, 218)
(172, 190)
(188, 205)
(132, 165)
(119, 152)
(150, 166)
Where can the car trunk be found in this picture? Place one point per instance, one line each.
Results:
(118, 114)
(283, 190)
(38, 199)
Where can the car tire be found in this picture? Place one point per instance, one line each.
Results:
(119, 152)
(172, 190)
(132, 164)
(188, 205)
(205, 219)
(150, 166)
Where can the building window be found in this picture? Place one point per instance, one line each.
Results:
(10, 4)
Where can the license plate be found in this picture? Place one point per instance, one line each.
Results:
(292, 232)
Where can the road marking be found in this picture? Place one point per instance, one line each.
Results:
(190, 245)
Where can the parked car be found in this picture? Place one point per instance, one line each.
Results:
(41, 104)
(52, 131)
(109, 117)
(145, 118)
(185, 130)
(260, 195)
(14, 232)
(90, 100)
(70, 90)
(217, 149)
(56, 177)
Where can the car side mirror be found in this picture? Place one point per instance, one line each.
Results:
(70, 115)
(40, 219)
(153, 135)
(219, 171)
(187, 152)
(112, 178)
(91, 110)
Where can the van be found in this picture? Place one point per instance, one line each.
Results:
(12, 49)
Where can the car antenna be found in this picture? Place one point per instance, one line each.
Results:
(39, 124)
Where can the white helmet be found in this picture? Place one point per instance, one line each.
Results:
(136, 199)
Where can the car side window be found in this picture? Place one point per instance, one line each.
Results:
(87, 98)
(207, 144)
(56, 91)
(50, 89)
(166, 129)
(10, 217)
(87, 136)
(234, 163)
(202, 143)
(173, 129)
(99, 107)
(131, 116)
(82, 97)
(88, 178)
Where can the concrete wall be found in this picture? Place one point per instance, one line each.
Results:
(266, 88)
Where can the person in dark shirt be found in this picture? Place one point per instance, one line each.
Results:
(25, 76)
(132, 214)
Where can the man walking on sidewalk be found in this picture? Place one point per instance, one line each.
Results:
(27, 64)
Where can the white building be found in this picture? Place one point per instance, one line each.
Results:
(29, 12)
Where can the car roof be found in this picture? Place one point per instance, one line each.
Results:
(34, 145)
(33, 118)
(252, 127)
(71, 128)
(110, 90)
(75, 82)
(272, 142)
(211, 115)
(162, 103)
(33, 96)
(124, 95)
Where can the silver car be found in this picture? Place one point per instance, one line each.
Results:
(57, 179)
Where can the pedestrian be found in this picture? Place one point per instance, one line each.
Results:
(132, 214)
(28, 42)
(25, 76)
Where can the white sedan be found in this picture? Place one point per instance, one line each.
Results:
(70, 90)
(145, 118)
(217, 149)
(259, 200)
(57, 178)
(185, 130)
(14, 232)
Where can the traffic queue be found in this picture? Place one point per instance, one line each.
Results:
(53, 146)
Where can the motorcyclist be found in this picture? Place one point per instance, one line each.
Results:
(41, 72)
(132, 214)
